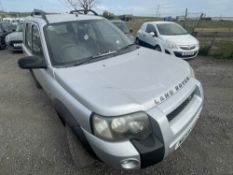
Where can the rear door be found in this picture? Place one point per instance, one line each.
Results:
(33, 46)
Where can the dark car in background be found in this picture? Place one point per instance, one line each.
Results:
(124, 28)
(5, 29)
(14, 40)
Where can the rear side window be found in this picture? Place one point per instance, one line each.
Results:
(32, 40)
(28, 36)
(36, 42)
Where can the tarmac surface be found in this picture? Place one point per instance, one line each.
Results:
(33, 140)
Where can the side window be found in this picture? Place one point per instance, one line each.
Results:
(36, 42)
(150, 28)
(28, 36)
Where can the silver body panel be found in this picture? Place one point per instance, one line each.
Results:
(121, 85)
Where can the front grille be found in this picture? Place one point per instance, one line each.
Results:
(180, 108)
(15, 42)
(187, 47)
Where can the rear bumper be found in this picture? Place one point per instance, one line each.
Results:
(167, 135)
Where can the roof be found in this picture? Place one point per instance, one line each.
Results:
(58, 18)
(159, 22)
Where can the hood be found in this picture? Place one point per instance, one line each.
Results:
(181, 40)
(15, 36)
(125, 83)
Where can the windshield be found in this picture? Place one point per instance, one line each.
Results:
(122, 26)
(171, 29)
(73, 42)
(19, 28)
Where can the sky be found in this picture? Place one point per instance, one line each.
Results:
(215, 8)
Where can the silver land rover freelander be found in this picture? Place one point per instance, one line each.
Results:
(129, 106)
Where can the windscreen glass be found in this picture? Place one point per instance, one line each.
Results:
(122, 26)
(171, 29)
(72, 42)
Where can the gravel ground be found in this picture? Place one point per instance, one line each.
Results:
(32, 138)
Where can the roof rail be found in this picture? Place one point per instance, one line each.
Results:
(40, 13)
(83, 12)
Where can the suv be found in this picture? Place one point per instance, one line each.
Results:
(129, 106)
(168, 36)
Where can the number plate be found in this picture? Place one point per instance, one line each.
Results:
(187, 53)
(18, 45)
(181, 141)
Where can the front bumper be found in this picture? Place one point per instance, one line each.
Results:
(15, 45)
(186, 54)
(167, 135)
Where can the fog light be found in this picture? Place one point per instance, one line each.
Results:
(129, 164)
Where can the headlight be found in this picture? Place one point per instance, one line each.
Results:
(171, 45)
(192, 74)
(121, 128)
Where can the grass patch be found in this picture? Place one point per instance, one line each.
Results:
(222, 50)
(204, 51)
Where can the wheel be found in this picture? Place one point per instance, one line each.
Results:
(157, 48)
(82, 159)
(38, 86)
(137, 41)
(2, 43)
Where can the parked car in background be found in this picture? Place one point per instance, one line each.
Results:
(124, 28)
(128, 105)
(169, 35)
(14, 40)
(5, 29)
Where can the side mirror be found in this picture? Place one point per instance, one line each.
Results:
(32, 62)
(153, 34)
(131, 30)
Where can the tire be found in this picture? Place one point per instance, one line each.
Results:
(81, 158)
(137, 41)
(37, 84)
(2, 45)
(158, 48)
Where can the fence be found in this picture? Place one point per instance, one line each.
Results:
(215, 42)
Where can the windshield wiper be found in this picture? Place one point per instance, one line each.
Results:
(126, 47)
(91, 58)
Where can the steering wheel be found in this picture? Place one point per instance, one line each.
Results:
(65, 46)
(63, 50)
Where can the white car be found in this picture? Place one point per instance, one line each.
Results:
(168, 37)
